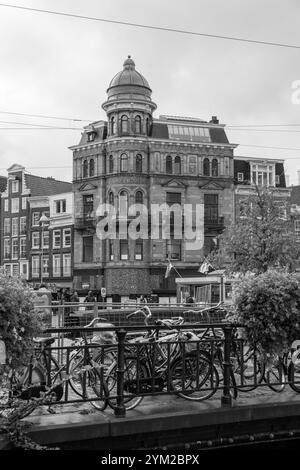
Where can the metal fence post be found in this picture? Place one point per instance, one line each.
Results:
(226, 399)
(120, 409)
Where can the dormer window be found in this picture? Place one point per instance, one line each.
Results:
(240, 177)
(91, 136)
(277, 179)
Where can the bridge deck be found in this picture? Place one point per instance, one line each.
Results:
(168, 421)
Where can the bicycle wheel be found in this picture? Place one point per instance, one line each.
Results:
(194, 378)
(132, 383)
(96, 387)
(247, 368)
(294, 376)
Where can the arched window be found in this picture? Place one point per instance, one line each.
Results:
(138, 125)
(112, 126)
(124, 124)
(123, 202)
(139, 197)
(111, 164)
(92, 167)
(124, 162)
(111, 198)
(177, 166)
(206, 171)
(85, 169)
(169, 164)
(214, 167)
(139, 163)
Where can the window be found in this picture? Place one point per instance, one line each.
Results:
(22, 225)
(138, 250)
(124, 124)
(15, 270)
(112, 126)
(56, 266)
(277, 179)
(91, 136)
(240, 177)
(14, 186)
(15, 227)
(243, 208)
(123, 249)
(174, 249)
(35, 218)
(67, 237)
(297, 230)
(45, 265)
(147, 126)
(35, 239)
(56, 238)
(123, 203)
(169, 164)
(177, 166)
(262, 175)
(85, 169)
(139, 197)
(6, 248)
(5, 205)
(45, 239)
(138, 125)
(6, 226)
(35, 266)
(211, 207)
(111, 198)
(22, 247)
(60, 206)
(192, 165)
(7, 269)
(15, 205)
(111, 164)
(15, 248)
(92, 167)
(111, 250)
(88, 205)
(66, 264)
(139, 163)
(87, 252)
(206, 167)
(124, 162)
(214, 167)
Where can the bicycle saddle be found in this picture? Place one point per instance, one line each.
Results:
(44, 341)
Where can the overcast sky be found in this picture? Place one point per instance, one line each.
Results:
(59, 66)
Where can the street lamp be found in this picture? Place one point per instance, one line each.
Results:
(43, 221)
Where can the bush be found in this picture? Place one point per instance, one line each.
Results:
(268, 305)
(19, 323)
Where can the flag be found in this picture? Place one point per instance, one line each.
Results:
(169, 268)
(205, 268)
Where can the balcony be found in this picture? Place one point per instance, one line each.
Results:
(214, 222)
(82, 223)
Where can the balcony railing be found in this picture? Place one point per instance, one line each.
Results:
(82, 223)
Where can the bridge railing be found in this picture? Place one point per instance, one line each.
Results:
(197, 360)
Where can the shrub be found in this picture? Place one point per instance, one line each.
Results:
(19, 323)
(268, 305)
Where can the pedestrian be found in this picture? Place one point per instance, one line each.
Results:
(90, 297)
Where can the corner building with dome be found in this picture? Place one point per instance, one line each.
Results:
(146, 160)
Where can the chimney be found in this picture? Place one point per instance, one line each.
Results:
(214, 120)
(298, 175)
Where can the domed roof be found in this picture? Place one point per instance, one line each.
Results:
(129, 76)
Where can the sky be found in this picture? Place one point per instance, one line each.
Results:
(60, 66)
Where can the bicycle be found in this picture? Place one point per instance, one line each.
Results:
(153, 362)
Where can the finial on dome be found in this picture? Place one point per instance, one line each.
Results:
(129, 63)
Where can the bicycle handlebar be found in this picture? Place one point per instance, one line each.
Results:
(142, 310)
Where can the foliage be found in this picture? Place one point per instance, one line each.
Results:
(268, 305)
(261, 238)
(18, 321)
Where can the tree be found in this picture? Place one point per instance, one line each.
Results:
(260, 239)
